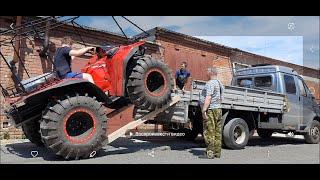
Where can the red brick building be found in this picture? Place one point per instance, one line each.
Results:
(172, 47)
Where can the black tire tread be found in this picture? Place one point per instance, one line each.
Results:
(228, 141)
(135, 84)
(51, 134)
(31, 131)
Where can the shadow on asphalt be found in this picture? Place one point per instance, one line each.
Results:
(275, 141)
(24, 150)
(132, 145)
(135, 144)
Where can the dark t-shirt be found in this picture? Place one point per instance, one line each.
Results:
(181, 78)
(62, 61)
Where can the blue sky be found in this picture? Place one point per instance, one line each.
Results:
(287, 38)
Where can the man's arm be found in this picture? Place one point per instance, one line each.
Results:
(206, 104)
(174, 81)
(205, 107)
(80, 52)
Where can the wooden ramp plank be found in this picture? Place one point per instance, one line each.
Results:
(121, 131)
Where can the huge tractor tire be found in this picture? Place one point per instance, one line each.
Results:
(149, 83)
(31, 130)
(74, 127)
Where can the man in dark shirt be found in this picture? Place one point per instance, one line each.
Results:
(63, 57)
(182, 76)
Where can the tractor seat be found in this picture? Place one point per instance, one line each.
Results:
(32, 83)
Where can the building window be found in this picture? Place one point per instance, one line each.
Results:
(5, 125)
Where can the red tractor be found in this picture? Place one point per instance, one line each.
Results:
(68, 116)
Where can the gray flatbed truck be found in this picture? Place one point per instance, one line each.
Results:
(265, 98)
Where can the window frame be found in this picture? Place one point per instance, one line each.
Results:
(285, 84)
(303, 86)
(271, 78)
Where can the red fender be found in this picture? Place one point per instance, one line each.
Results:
(109, 73)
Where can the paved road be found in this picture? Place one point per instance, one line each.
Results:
(170, 150)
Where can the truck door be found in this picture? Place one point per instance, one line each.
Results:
(307, 104)
(292, 118)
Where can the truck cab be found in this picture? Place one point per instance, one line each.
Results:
(302, 107)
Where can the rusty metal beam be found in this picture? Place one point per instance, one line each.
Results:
(17, 42)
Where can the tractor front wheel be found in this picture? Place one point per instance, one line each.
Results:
(74, 127)
(149, 83)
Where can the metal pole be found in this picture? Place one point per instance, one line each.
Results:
(73, 25)
(17, 43)
(19, 59)
(16, 78)
(136, 25)
(119, 27)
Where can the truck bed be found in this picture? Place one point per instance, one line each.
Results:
(247, 99)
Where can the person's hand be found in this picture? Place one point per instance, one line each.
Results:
(91, 49)
(205, 116)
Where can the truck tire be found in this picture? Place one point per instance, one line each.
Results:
(264, 133)
(313, 136)
(74, 127)
(31, 130)
(149, 83)
(236, 134)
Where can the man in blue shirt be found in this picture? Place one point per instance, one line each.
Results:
(182, 76)
(63, 57)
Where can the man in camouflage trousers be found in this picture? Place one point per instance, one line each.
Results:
(210, 102)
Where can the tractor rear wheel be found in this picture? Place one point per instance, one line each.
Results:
(74, 127)
(149, 83)
(31, 130)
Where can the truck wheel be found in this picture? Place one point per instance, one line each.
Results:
(31, 130)
(74, 127)
(236, 134)
(264, 133)
(313, 136)
(149, 83)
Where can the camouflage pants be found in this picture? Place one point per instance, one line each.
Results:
(212, 132)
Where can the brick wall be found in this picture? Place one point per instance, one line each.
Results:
(198, 61)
